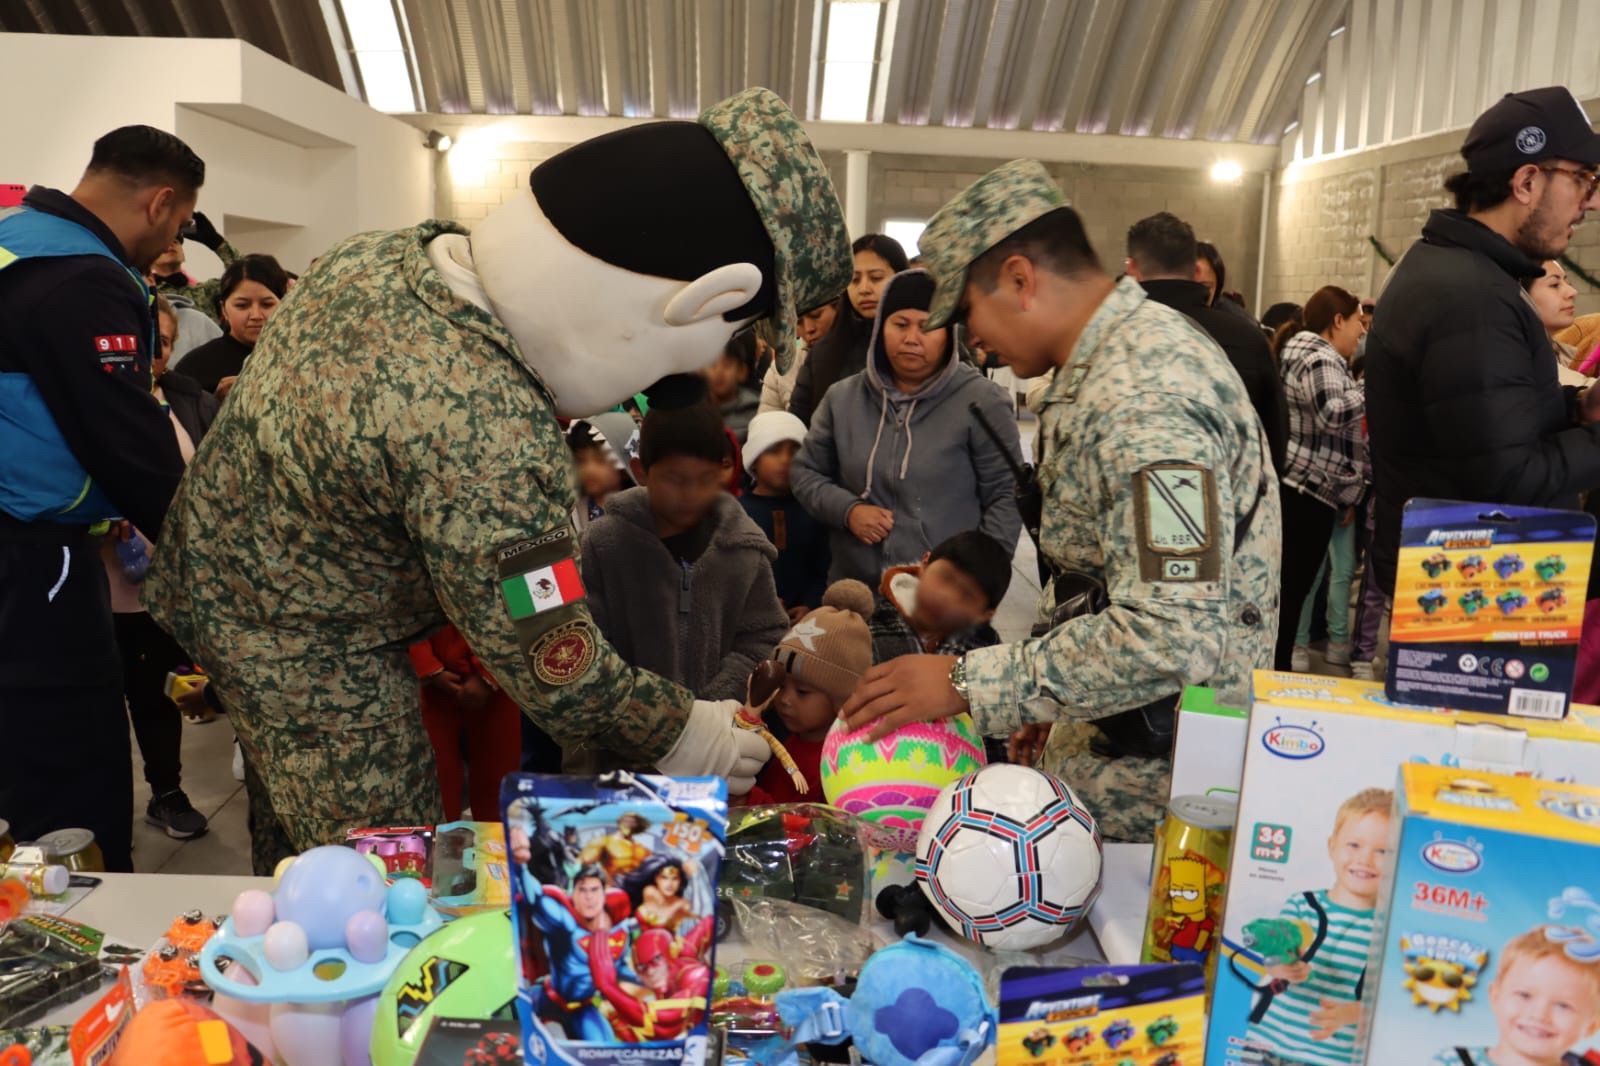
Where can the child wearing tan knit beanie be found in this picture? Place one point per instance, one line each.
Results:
(825, 654)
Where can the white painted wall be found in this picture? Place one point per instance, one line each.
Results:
(292, 164)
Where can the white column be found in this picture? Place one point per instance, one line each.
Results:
(1261, 244)
(855, 191)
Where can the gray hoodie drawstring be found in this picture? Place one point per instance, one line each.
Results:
(905, 464)
(872, 456)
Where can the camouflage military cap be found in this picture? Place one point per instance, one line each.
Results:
(791, 189)
(986, 213)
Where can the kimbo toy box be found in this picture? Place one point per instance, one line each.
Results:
(1488, 950)
(1311, 846)
(613, 910)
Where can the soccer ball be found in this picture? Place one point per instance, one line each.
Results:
(1010, 856)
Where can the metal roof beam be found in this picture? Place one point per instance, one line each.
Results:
(1134, 60)
(998, 145)
(1085, 66)
(1026, 94)
(1177, 67)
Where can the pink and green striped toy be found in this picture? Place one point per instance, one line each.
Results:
(891, 783)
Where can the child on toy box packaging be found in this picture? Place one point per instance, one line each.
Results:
(1310, 1010)
(1545, 1001)
(1490, 951)
(620, 954)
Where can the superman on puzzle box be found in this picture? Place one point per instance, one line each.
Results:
(613, 910)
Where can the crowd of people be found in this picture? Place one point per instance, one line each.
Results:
(841, 488)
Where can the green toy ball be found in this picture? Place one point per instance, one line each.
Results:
(468, 969)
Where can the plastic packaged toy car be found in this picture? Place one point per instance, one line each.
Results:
(1511, 602)
(1435, 565)
(1470, 567)
(1508, 565)
(1162, 1030)
(1118, 1033)
(1552, 600)
(1473, 601)
(1550, 567)
(1432, 601)
(1039, 1041)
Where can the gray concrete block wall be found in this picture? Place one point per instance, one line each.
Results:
(1318, 228)
(1110, 198)
(1323, 214)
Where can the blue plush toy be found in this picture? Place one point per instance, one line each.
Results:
(916, 1004)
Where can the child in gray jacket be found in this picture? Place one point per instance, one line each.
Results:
(679, 578)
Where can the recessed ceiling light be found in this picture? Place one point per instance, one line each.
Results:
(1226, 171)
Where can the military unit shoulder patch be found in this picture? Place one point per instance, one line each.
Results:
(1176, 506)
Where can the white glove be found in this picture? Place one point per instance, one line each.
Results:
(712, 744)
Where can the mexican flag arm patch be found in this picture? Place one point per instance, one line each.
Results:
(543, 589)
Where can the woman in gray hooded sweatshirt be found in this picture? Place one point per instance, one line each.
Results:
(895, 462)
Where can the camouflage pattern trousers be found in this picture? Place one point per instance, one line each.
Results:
(1127, 795)
(314, 777)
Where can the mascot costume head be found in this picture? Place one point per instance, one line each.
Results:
(634, 256)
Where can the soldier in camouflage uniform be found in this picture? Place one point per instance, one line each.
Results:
(391, 458)
(1157, 482)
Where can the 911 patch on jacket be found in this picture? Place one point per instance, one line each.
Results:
(1176, 512)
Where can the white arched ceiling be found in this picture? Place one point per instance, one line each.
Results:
(1201, 70)
(1409, 68)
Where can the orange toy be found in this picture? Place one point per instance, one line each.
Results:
(180, 1032)
(13, 900)
(190, 931)
(170, 972)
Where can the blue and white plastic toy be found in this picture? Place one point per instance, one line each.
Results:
(917, 1003)
(318, 950)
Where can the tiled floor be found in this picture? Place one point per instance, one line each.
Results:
(208, 758)
(208, 779)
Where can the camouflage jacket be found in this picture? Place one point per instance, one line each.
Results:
(388, 460)
(1152, 460)
(204, 294)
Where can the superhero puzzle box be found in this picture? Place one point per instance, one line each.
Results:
(613, 907)
(1487, 950)
(1309, 848)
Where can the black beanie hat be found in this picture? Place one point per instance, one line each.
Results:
(909, 289)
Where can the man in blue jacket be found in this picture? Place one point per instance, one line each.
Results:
(82, 442)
